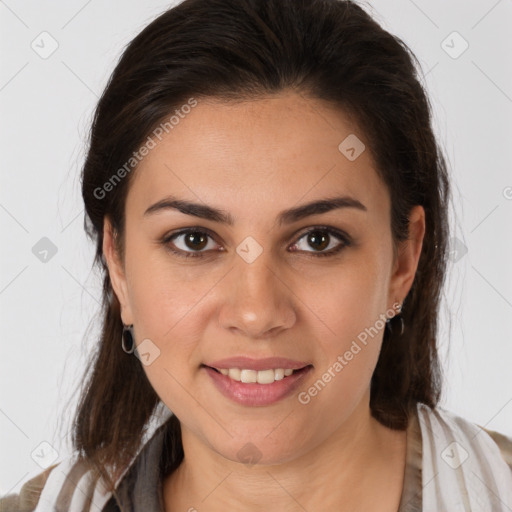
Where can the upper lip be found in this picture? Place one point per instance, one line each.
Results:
(266, 363)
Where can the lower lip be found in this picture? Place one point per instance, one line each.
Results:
(255, 394)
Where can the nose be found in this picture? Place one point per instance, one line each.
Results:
(256, 302)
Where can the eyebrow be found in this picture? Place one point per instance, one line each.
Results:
(285, 217)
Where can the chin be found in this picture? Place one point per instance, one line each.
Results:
(259, 450)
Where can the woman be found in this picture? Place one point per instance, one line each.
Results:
(269, 207)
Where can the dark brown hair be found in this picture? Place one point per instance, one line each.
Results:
(237, 50)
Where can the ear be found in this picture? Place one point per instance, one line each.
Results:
(408, 255)
(116, 271)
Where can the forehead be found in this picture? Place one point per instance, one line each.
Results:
(261, 155)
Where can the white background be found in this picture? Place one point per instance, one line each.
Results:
(49, 311)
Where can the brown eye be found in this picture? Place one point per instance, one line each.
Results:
(321, 239)
(318, 240)
(189, 243)
(196, 240)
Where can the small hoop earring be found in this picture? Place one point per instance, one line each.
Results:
(399, 317)
(402, 326)
(128, 339)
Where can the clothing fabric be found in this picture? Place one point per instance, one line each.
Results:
(452, 465)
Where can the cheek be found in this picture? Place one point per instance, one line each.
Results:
(172, 326)
(352, 297)
(348, 357)
(172, 307)
(350, 320)
(162, 292)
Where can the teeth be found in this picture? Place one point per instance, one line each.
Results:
(261, 377)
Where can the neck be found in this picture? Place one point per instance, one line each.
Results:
(343, 472)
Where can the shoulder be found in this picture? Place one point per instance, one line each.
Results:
(503, 442)
(28, 497)
(69, 485)
(440, 425)
(72, 485)
(463, 462)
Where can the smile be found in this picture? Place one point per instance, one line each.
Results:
(251, 376)
(256, 387)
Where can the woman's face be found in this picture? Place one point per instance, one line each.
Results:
(261, 287)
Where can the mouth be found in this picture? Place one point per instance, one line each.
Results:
(268, 376)
(255, 388)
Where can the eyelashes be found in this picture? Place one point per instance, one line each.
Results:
(203, 234)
